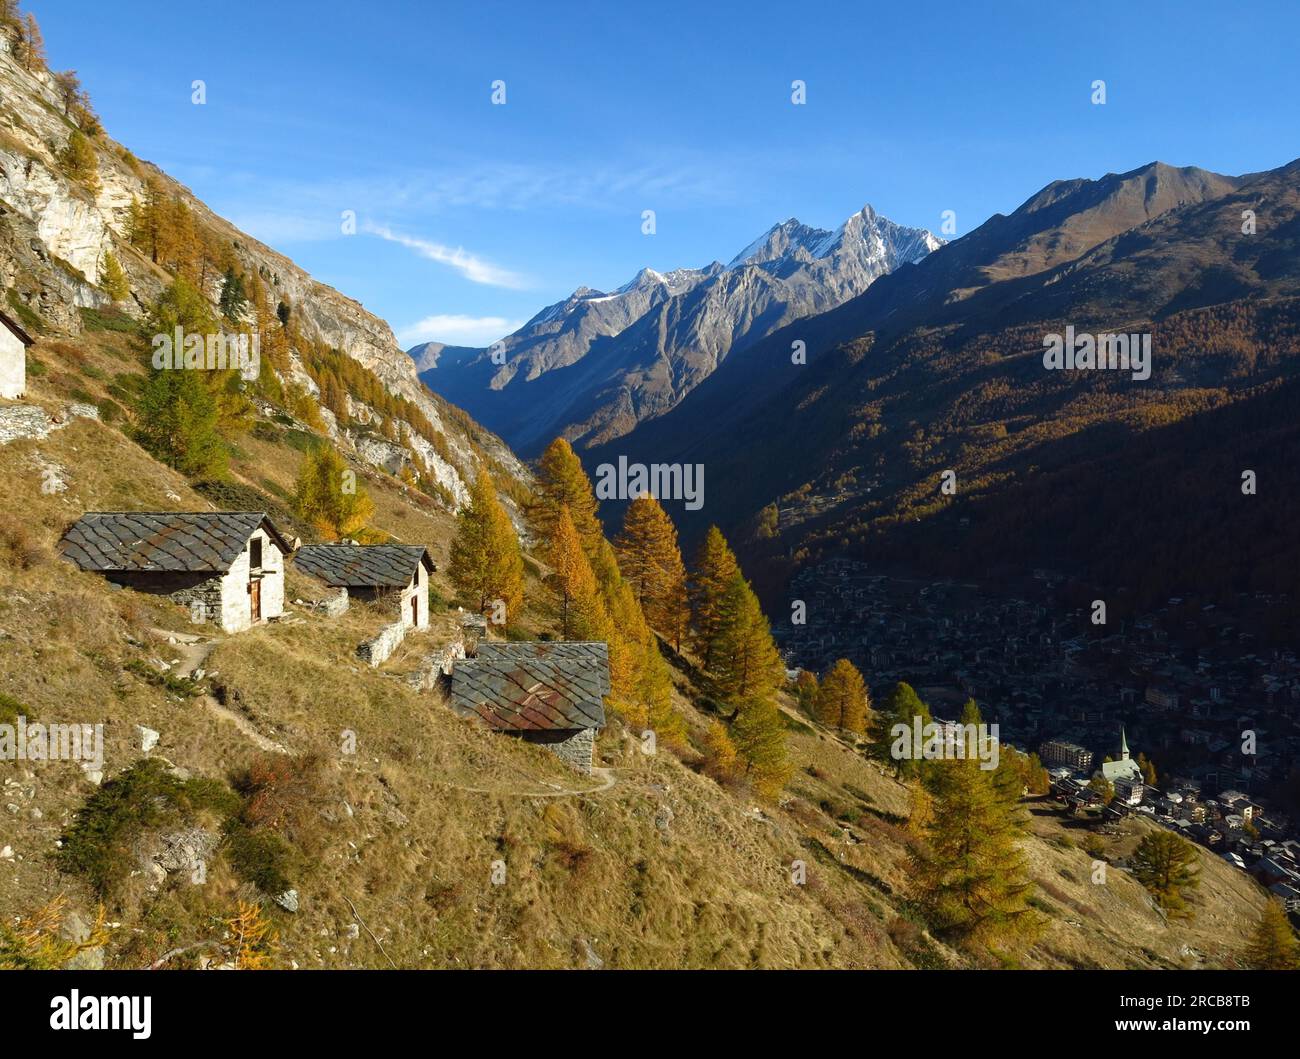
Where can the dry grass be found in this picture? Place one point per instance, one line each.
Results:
(411, 814)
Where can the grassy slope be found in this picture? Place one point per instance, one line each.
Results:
(665, 868)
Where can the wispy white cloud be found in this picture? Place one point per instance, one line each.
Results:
(472, 267)
(456, 329)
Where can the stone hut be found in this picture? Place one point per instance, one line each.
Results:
(375, 571)
(227, 566)
(551, 694)
(13, 358)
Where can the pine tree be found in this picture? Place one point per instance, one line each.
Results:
(746, 664)
(1148, 770)
(326, 494)
(577, 599)
(715, 566)
(114, 279)
(842, 700)
(1273, 946)
(233, 299)
(649, 559)
(970, 873)
(1165, 863)
(486, 564)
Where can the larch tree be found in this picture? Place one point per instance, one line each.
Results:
(901, 706)
(32, 51)
(1273, 946)
(759, 736)
(969, 870)
(805, 690)
(114, 280)
(80, 162)
(578, 606)
(746, 664)
(1165, 863)
(640, 684)
(650, 560)
(327, 494)
(842, 700)
(183, 417)
(562, 483)
(486, 564)
(715, 566)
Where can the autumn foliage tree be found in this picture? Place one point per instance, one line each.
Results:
(969, 871)
(186, 417)
(1273, 946)
(80, 162)
(641, 686)
(580, 612)
(650, 560)
(327, 494)
(902, 706)
(486, 564)
(562, 483)
(746, 665)
(715, 566)
(1165, 863)
(842, 699)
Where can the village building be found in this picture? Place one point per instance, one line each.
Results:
(226, 566)
(1124, 767)
(1065, 754)
(550, 694)
(13, 358)
(375, 572)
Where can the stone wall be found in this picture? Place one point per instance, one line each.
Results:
(574, 746)
(334, 606)
(18, 422)
(375, 652)
(183, 588)
(436, 666)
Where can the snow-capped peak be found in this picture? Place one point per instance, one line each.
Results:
(866, 233)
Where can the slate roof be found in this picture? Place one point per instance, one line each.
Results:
(177, 541)
(363, 565)
(18, 332)
(534, 686)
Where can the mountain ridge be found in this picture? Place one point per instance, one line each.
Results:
(633, 353)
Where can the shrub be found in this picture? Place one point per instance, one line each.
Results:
(107, 320)
(98, 846)
(18, 545)
(11, 709)
(262, 857)
(282, 791)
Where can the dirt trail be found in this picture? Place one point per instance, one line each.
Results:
(605, 775)
(193, 652)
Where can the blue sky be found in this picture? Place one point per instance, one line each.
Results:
(472, 216)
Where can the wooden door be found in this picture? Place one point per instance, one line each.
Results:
(255, 599)
(415, 610)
